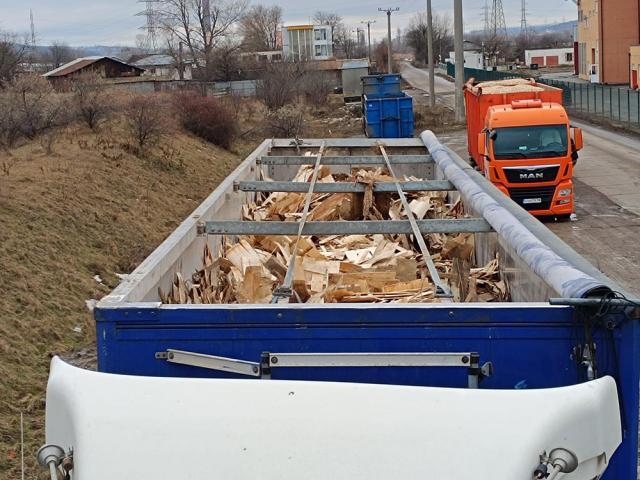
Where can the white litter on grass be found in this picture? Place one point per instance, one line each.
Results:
(77, 329)
(91, 304)
(98, 279)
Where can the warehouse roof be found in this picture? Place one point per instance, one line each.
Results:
(158, 60)
(80, 63)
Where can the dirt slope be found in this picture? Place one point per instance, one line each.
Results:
(89, 208)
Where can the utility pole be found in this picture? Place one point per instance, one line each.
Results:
(432, 87)
(389, 53)
(458, 46)
(33, 30)
(369, 22)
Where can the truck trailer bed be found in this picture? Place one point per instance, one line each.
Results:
(523, 343)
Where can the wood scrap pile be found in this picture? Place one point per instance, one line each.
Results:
(341, 268)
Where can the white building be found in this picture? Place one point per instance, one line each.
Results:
(472, 59)
(307, 42)
(549, 57)
(163, 66)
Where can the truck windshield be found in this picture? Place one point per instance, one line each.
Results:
(533, 141)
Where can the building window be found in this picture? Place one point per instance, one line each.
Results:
(568, 57)
(320, 34)
(321, 51)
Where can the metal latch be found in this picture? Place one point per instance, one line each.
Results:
(269, 361)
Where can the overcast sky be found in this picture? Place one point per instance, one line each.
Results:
(113, 22)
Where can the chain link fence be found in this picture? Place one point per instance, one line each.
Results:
(612, 103)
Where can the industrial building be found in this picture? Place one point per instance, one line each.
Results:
(307, 42)
(165, 67)
(105, 67)
(549, 57)
(605, 33)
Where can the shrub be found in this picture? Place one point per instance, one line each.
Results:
(279, 85)
(90, 99)
(208, 118)
(287, 121)
(29, 106)
(145, 118)
(316, 86)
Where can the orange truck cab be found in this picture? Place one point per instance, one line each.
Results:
(519, 136)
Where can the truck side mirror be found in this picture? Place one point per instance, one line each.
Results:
(577, 138)
(482, 143)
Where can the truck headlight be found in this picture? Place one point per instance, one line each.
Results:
(564, 192)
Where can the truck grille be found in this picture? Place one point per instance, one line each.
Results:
(533, 198)
(532, 174)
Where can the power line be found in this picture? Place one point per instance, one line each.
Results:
(523, 17)
(498, 26)
(485, 12)
(151, 25)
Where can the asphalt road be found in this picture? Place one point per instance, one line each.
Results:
(607, 185)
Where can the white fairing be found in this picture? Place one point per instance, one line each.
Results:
(148, 428)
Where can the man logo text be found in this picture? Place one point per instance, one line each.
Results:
(531, 176)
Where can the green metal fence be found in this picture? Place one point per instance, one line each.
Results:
(615, 103)
(619, 104)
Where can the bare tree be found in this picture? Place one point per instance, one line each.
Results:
(327, 18)
(201, 25)
(226, 60)
(59, 53)
(334, 21)
(174, 48)
(259, 27)
(12, 54)
(416, 36)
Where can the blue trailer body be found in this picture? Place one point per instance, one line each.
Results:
(388, 116)
(530, 343)
(529, 346)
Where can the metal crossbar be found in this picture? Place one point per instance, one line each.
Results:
(343, 187)
(441, 289)
(344, 160)
(343, 227)
(270, 361)
(284, 291)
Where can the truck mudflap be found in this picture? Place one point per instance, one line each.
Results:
(102, 426)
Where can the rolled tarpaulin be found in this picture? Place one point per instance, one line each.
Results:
(565, 278)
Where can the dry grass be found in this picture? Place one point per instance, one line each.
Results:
(94, 206)
(91, 207)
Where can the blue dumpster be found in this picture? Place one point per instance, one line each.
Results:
(388, 117)
(382, 85)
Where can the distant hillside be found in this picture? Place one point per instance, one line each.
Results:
(95, 50)
(548, 27)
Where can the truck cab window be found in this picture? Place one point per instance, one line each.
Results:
(537, 141)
